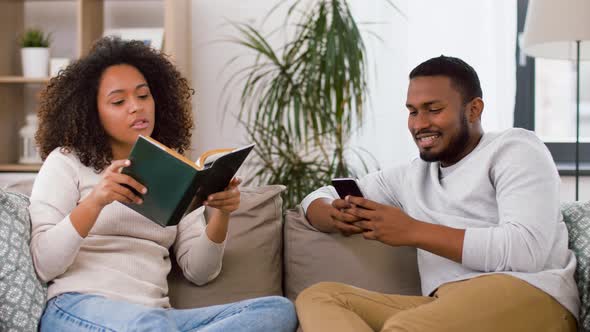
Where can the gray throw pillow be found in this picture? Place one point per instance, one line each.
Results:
(22, 295)
(312, 256)
(252, 261)
(577, 219)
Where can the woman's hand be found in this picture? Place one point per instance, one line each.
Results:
(226, 201)
(111, 188)
(114, 186)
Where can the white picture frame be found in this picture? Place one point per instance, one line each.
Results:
(153, 37)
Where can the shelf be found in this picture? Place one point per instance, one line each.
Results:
(75, 0)
(80, 23)
(20, 167)
(20, 79)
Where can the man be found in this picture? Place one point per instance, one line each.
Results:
(482, 210)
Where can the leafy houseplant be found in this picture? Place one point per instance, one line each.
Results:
(299, 103)
(35, 38)
(35, 53)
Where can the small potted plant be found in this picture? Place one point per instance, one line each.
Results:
(35, 53)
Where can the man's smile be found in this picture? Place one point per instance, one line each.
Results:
(427, 140)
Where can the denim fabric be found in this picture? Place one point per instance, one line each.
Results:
(82, 312)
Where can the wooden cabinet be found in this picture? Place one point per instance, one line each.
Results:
(90, 18)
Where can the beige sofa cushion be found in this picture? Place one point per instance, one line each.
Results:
(252, 263)
(312, 256)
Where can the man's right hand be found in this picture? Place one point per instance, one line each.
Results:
(329, 217)
(113, 186)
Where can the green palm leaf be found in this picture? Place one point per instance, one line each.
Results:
(299, 102)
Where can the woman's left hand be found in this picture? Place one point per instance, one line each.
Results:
(226, 201)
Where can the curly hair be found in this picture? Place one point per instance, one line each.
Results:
(68, 113)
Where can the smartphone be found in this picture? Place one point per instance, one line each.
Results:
(347, 186)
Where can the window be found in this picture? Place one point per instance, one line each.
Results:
(546, 103)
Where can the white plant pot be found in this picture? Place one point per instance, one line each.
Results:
(35, 61)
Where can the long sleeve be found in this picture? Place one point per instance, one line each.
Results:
(54, 241)
(527, 192)
(199, 258)
(323, 192)
(377, 186)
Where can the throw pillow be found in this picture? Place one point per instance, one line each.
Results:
(252, 261)
(22, 295)
(312, 256)
(577, 219)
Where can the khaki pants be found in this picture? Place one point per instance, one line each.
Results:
(495, 302)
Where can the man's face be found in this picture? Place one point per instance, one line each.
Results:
(437, 119)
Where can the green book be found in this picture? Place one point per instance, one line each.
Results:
(177, 185)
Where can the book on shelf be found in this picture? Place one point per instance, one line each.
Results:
(177, 185)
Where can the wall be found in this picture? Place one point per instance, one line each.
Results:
(405, 40)
(387, 63)
(59, 18)
(385, 132)
(483, 34)
(216, 129)
(211, 52)
(403, 46)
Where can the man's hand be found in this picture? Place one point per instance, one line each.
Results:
(383, 223)
(394, 227)
(342, 221)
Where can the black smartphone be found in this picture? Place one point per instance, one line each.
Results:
(347, 186)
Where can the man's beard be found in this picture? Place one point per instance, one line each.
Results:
(456, 146)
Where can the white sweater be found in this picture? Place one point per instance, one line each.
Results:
(125, 256)
(505, 194)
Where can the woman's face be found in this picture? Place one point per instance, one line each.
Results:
(125, 107)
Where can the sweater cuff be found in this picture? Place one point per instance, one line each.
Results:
(205, 259)
(68, 234)
(322, 193)
(210, 244)
(475, 247)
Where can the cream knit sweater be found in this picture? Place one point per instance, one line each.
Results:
(125, 256)
(505, 194)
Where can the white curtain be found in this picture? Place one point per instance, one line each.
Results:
(482, 32)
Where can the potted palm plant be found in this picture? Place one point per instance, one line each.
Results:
(301, 102)
(35, 53)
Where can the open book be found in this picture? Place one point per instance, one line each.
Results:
(177, 185)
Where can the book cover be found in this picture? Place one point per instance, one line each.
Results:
(177, 185)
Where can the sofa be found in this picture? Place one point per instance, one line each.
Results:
(267, 256)
(274, 252)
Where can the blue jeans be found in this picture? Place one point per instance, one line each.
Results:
(83, 312)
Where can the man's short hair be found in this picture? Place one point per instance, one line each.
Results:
(463, 77)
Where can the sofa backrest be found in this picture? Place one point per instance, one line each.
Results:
(312, 256)
(265, 256)
(268, 253)
(252, 262)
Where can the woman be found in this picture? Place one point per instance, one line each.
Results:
(105, 264)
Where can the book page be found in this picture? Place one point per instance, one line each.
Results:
(171, 151)
(208, 157)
